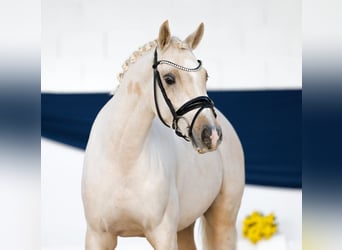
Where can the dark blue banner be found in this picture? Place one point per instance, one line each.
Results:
(267, 122)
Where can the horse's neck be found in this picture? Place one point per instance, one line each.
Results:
(131, 119)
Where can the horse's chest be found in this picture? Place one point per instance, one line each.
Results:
(196, 178)
(198, 183)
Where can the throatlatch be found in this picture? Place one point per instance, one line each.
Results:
(200, 102)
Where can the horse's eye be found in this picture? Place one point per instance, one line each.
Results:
(169, 79)
(206, 76)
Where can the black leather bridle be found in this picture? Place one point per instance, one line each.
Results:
(200, 102)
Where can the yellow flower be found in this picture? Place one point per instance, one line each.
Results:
(256, 226)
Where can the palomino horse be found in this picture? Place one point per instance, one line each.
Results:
(142, 179)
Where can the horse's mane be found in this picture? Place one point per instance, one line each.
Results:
(133, 57)
(142, 51)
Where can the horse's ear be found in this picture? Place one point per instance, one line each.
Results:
(194, 39)
(164, 35)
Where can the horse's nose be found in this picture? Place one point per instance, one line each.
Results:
(211, 137)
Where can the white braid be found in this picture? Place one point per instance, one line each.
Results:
(132, 59)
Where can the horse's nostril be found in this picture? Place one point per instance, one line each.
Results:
(206, 134)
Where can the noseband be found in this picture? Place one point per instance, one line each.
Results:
(200, 102)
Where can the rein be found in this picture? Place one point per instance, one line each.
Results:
(200, 102)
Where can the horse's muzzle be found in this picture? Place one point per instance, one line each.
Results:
(210, 139)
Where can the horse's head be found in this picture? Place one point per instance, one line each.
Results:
(180, 95)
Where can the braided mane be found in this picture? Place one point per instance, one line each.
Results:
(133, 57)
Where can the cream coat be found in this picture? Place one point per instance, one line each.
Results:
(140, 179)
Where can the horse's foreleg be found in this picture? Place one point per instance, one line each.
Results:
(186, 239)
(163, 239)
(217, 236)
(100, 240)
(163, 236)
(219, 229)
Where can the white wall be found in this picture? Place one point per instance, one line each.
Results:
(248, 44)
